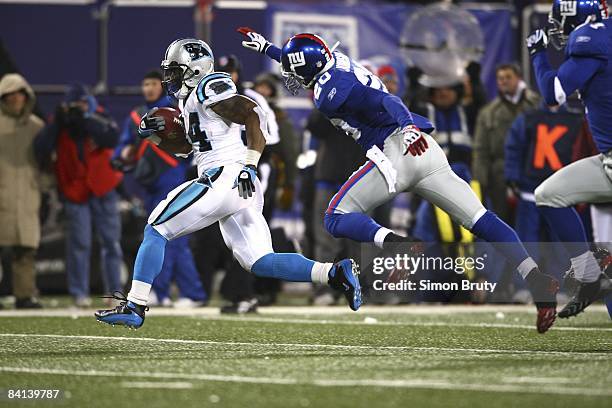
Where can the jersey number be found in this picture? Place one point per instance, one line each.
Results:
(197, 135)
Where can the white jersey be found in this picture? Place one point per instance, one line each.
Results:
(216, 141)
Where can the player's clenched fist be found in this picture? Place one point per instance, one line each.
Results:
(246, 181)
(256, 42)
(414, 141)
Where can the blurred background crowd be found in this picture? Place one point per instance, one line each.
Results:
(77, 183)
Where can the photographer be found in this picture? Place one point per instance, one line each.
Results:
(81, 138)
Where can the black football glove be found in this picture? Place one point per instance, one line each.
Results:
(150, 124)
(537, 41)
(246, 181)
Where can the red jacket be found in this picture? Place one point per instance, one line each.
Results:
(77, 179)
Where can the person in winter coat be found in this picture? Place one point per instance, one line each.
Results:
(19, 187)
(492, 126)
(83, 136)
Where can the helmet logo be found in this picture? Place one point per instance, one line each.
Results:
(296, 59)
(568, 8)
(196, 51)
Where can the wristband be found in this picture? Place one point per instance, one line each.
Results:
(252, 157)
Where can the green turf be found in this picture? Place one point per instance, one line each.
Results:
(400, 360)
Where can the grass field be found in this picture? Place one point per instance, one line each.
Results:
(311, 357)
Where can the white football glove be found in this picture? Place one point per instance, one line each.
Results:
(537, 41)
(256, 41)
(414, 141)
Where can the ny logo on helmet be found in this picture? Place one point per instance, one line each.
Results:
(296, 59)
(568, 8)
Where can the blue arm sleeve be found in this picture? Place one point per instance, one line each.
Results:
(545, 77)
(515, 149)
(363, 97)
(274, 52)
(573, 74)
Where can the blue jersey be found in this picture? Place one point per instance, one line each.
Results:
(366, 122)
(588, 69)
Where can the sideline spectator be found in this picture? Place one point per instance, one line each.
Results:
(83, 136)
(492, 125)
(158, 173)
(19, 186)
(388, 76)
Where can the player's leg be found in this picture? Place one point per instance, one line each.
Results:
(191, 206)
(584, 181)
(443, 188)
(161, 283)
(247, 235)
(346, 215)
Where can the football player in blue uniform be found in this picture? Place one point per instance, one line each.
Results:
(583, 29)
(402, 156)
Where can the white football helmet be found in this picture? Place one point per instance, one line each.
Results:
(186, 61)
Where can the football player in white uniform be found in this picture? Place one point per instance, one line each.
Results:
(227, 189)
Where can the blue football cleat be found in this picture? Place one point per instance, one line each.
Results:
(344, 277)
(126, 314)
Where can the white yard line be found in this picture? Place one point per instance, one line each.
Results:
(177, 385)
(309, 345)
(395, 323)
(423, 384)
(213, 314)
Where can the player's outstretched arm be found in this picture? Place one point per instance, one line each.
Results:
(258, 42)
(573, 74)
(244, 111)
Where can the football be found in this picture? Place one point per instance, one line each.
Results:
(173, 138)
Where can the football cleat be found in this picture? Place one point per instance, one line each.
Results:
(588, 292)
(604, 259)
(344, 277)
(127, 314)
(544, 290)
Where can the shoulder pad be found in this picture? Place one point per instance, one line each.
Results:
(215, 87)
(333, 88)
(589, 40)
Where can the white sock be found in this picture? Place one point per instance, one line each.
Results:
(139, 293)
(381, 234)
(586, 268)
(320, 271)
(526, 266)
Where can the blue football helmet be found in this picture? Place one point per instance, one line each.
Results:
(303, 58)
(566, 15)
